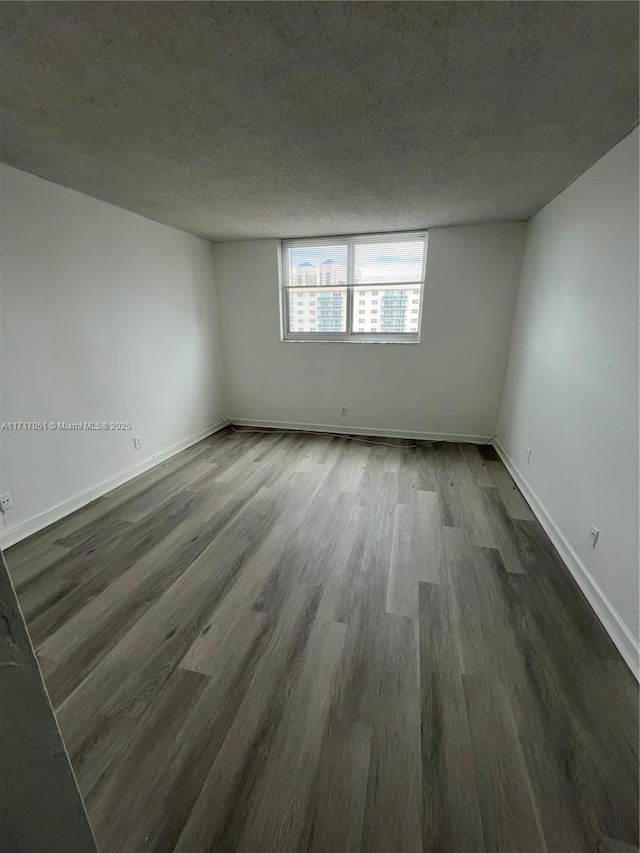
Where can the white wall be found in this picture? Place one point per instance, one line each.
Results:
(106, 316)
(448, 384)
(571, 391)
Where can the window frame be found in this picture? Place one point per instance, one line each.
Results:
(350, 335)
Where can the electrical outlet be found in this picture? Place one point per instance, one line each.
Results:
(528, 455)
(137, 442)
(344, 411)
(593, 536)
(5, 502)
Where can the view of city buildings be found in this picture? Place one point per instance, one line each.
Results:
(317, 292)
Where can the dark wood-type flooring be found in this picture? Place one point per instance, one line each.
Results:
(41, 810)
(305, 643)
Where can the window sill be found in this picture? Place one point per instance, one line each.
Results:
(354, 339)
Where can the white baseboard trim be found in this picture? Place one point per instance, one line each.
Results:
(347, 429)
(12, 535)
(613, 623)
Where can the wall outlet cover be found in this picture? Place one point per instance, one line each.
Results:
(5, 502)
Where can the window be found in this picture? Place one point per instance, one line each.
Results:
(337, 274)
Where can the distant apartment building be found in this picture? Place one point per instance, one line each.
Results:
(383, 308)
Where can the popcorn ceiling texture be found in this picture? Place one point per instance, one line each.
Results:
(248, 120)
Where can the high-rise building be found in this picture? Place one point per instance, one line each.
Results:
(382, 308)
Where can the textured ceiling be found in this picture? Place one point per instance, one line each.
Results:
(238, 120)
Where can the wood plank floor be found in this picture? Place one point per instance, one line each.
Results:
(40, 805)
(293, 642)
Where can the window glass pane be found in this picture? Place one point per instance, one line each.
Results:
(316, 265)
(376, 279)
(319, 310)
(400, 260)
(389, 312)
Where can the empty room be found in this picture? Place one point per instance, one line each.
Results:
(319, 427)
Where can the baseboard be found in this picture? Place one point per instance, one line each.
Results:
(32, 525)
(611, 620)
(347, 429)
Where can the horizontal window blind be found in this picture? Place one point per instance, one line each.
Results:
(323, 277)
